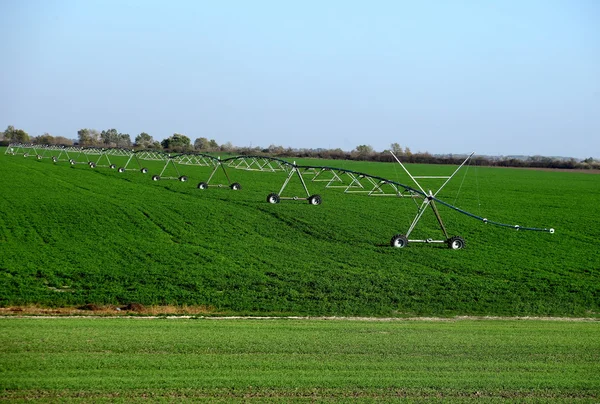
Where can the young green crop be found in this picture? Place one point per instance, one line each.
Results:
(129, 358)
(71, 235)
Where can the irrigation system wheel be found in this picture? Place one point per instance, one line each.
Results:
(25, 154)
(72, 162)
(314, 200)
(92, 164)
(54, 159)
(273, 198)
(144, 170)
(112, 166)
(39, 156)
(121, 170)
(456, 243)
(235, 186)
(202, 185)
(399, 241)
(155, 177)
(183, 178)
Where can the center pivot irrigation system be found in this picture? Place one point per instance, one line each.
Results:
(348, 180)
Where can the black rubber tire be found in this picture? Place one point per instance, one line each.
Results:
(202, 185)
(456, 243)
(92, 164)
(39, 157)
(121, 170)
(72, 162)
(25, 154)
(156, 178)
(183, 178)
(54, 159)
(315, 200)
(112, 166)
(144, 170)
(273, 198)
(399, 241)
(235, 186)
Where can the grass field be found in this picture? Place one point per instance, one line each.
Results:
(130, 359)
(71, 235)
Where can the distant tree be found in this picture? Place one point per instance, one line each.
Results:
(88, 137)
(227, 146)
(46, 138)
(109, 137)
(337, 154)
(63, 141)
(123, 140)
(407, 152)
(144, 140)
(95, 135)
(201, 143)
(15, 135)
(396, 149)
(364, 150)
(273, 149)
(83, 137)
(8, 133)
(177, 142)
(113, 138)
(212, 144)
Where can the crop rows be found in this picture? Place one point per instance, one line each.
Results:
(298, 360)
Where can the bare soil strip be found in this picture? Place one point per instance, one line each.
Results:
(134, 311)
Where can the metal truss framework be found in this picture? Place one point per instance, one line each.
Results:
(335, 178)
(401, 240)
(257, 163)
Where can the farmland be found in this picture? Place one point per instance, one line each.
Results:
(125, 359)
(72, 235)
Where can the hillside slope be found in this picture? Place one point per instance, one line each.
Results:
(71, 235)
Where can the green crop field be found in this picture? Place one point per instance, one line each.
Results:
(134, 359)
(72, 235)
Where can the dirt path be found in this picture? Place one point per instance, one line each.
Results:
(242, 318)
(202, 312)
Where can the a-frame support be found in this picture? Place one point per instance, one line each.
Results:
(219, 164)
(98, 162)
(170, 162)
(295, 171)
(402, 240)
(135, 156)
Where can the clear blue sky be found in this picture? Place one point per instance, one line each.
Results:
(498, 77)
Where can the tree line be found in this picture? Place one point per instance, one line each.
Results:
(178, 142)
